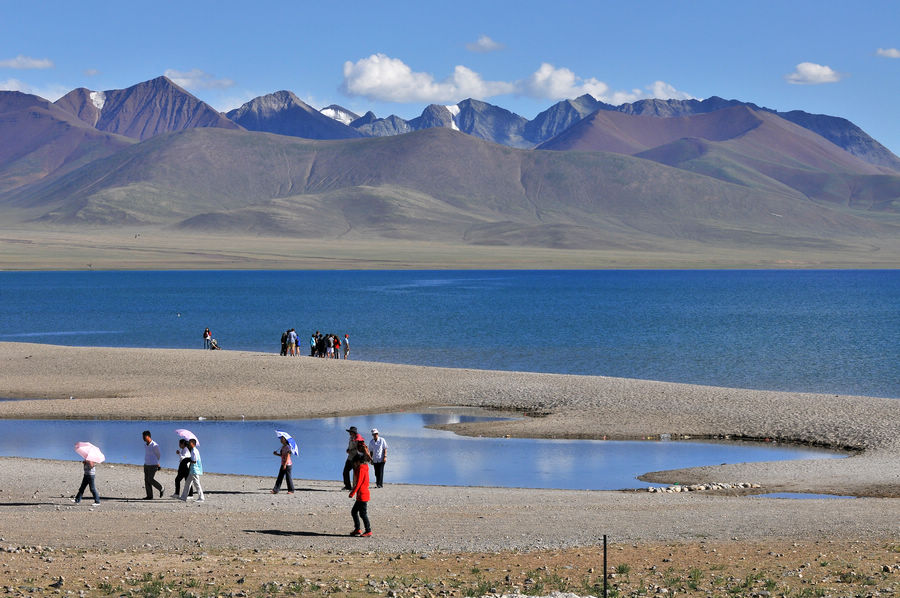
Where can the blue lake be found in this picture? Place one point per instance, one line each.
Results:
(818, 331)
(416, 454)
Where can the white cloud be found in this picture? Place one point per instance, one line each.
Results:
(552, 83)
(889, 52)
(15, 85)
(49, 92)
(663, 91)
(26, 62)
(197, 79)
(484, 45)
(810, 73)
(382, 78)
(91, 72)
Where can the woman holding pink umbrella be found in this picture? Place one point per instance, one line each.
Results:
(91, 455)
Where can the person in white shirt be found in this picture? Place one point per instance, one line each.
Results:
(378, 448)
(151, 466)
(292, 342)
(194, 473)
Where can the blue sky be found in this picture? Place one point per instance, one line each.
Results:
(396, 57)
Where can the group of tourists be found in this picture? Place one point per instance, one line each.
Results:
(327, 346)
(190, 467)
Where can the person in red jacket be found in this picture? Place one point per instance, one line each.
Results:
(361, 491)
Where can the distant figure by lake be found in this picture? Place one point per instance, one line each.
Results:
(829, 331)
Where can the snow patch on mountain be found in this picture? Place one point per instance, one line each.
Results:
(98, 99)
(339, 113)
(454, 112)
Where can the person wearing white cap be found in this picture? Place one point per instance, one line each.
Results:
(378, 448)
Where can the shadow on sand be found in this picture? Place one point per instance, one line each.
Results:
(282, 532)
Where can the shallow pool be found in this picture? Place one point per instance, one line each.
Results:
(416, 454)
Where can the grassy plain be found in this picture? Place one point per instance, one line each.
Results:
(148, 248)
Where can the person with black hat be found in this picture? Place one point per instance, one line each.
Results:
(353, 449)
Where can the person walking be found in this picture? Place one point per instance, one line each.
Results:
(151, 466)
(360, 489)
(194, 473)
(286, 464)
(352, 452)
(89, 479)
(378, 450)
(184, 463)
(346, 346)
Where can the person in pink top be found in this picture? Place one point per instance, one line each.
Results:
(286, 464)
(361, 491)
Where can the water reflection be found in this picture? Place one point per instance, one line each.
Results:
(416, 454)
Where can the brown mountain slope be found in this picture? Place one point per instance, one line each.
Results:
(434, 184)
(740, 145)
(759, 134)
(39, 140)
(622, 133)
(143, 110)
(732, 162)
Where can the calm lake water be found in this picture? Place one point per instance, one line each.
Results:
(416, 454)
(820, 331)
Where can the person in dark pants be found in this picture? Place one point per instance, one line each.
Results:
(352, 452)
(378, 451)
(286, 465)
(184, 463)
(151, 466)
(88, 480)
(360, 489)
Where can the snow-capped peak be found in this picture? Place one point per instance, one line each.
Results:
(339, 114)
(454, 112)
(98, 98)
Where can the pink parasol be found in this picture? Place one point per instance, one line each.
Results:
(186, 434)
(89, 452)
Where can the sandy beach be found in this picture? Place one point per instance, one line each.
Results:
(240, 514)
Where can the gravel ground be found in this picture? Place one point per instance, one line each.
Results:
(241, 514)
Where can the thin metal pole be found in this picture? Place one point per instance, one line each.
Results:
(605, 591)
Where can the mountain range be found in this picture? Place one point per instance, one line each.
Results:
(581, 174)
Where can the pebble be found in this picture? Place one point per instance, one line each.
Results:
(701, 487)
